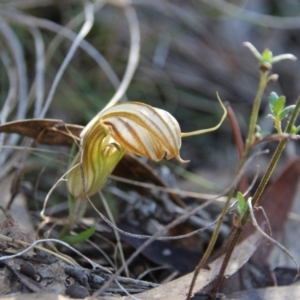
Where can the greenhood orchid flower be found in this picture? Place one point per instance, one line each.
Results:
(132, 126)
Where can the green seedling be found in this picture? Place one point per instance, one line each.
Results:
(278, 110)
(79, 237)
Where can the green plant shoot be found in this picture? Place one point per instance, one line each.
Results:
(278, 110)
(242, 204)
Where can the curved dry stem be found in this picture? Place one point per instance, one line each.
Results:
(202, 131)
(182, 218)
(89, 15)
(75, 21)
(15, 50)
(10, 101)
(131, 65)
(39, 81)
(29, 21)
(168, 189)
(34, 245)
(252, 182)
(276, 137)
(101, 251)
(18, 55)
(61, 179)
(158, 237)
(280, 246)
(267, 220)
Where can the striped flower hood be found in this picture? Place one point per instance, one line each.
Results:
(131, 126)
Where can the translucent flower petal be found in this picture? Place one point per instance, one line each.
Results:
(145, 127)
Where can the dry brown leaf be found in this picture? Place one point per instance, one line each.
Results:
(44, 131)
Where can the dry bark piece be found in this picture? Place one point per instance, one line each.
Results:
(44, 131)
(10, 228)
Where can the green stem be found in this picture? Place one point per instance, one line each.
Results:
(211, 245)
(273, 162)
(253, 120)
(256, 196)
(254, 115)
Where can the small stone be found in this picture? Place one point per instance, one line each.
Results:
(77, 291)
(28, 270)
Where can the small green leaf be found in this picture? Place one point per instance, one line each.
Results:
(242, 205)
(267, 56)
(272, 99)
(80, 237)
(286, 111)
(279, 105)
(295, 129)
